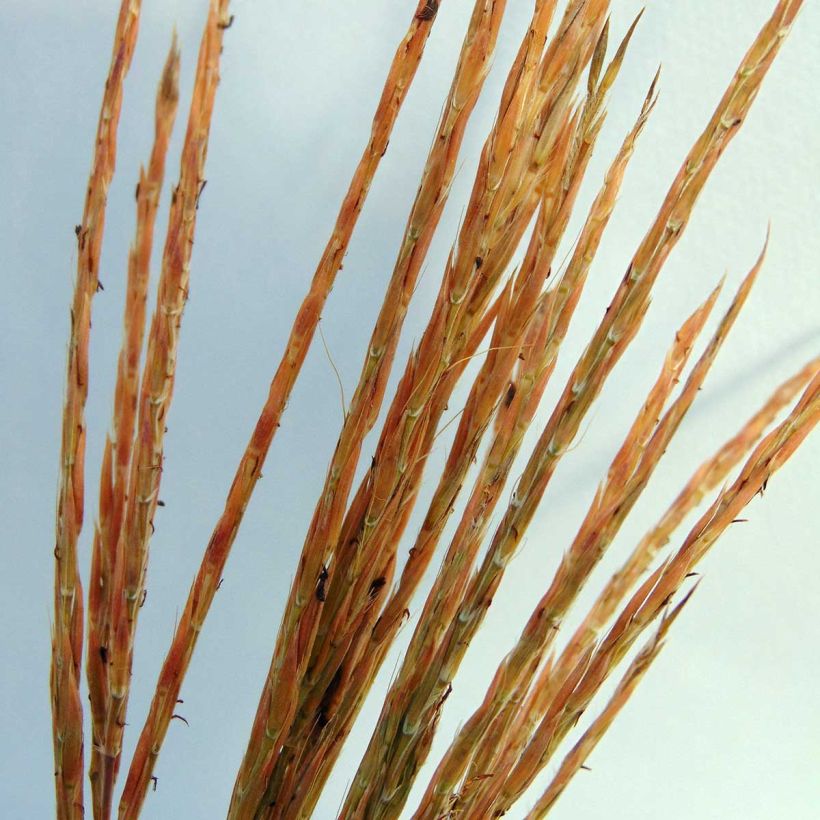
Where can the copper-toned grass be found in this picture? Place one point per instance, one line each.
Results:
(350, 595)
(280, 698)
(398, 82)
(652, 598)
(109, 548)
(67, 636)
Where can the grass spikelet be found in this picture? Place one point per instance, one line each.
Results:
(499, 316)
(68, 595)
(155, 397)
(651, 599)
(108, 554)
(626, 686)
(705, 479)
(281, 692)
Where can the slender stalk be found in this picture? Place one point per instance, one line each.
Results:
(617, 329)
(628, 476)
(353, 589)
(574, 760)
(279, 698)
(154, 403)
(351, 605)
(571, 697)
(652, 598)
(708, 476)
(303, 782)
(119, 448)
(67, 634)
(395, 791)
(608, 510)
(402, 71)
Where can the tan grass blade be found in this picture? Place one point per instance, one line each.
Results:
(557, 201)
(344, 610)
(769, 455)
(610, 507)
(399, 80)
(493, 380)
(705, 479)
(619, 326)
(387, 481)
(414, 420)
(425, 396)
(119, 444)
(709, 475)
(279, 698)
(601, 212)
(517, 409)
(574, 760)
(652, 597)
(154, 402)
(68, 604)
(401, 74)
(304, 780)
(772, 452)
(627, 477)
(519, 666)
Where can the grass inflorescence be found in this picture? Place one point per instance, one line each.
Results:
(352, 593)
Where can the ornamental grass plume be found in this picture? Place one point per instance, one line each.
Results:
(380, 558)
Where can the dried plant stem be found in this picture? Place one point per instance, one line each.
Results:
(618, 328)
(353, 597)
(652, 597)
(154, 403)
(400, 77)
(296, 635)
(352, 590)
(567, 167)
(608, 510)
(359, 612)
(626, 686)
(708, 476)
(67, 633)
(117, 453)
(711, 473)
(628, 475)
(364, 783)
(304, 781)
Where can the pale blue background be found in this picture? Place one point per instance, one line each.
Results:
(727, 723)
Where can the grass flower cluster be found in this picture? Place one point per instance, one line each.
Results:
(355, 585)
